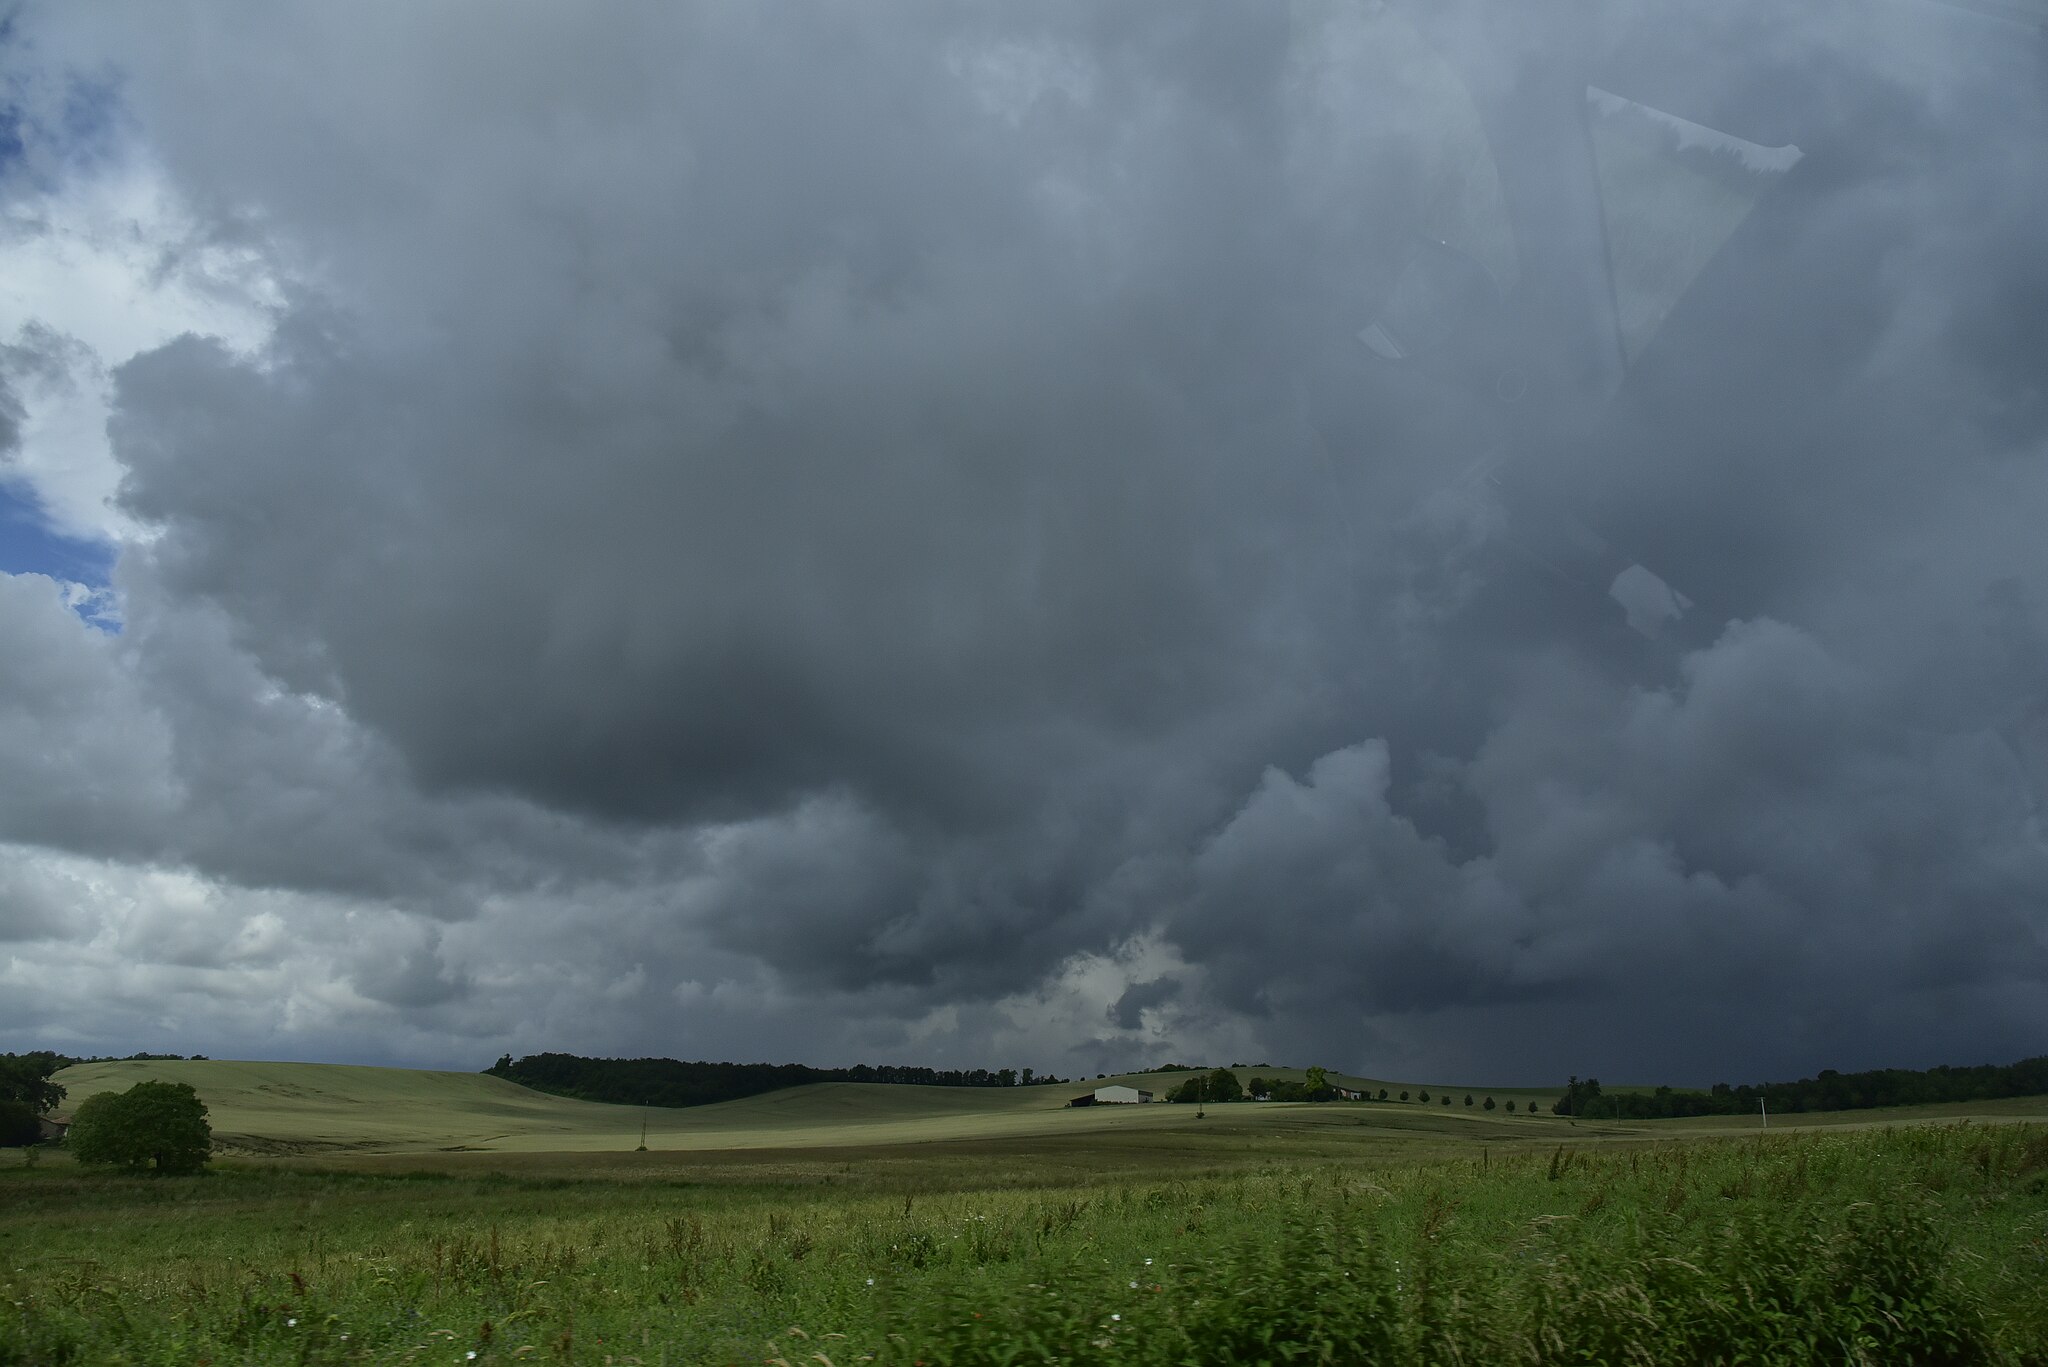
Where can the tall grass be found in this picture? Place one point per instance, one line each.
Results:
(1925, 1245)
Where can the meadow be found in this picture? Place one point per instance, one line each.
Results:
(1260, 1234)
(316, 1108)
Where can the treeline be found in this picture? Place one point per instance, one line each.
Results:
(670, 1082)
(1831, 1091)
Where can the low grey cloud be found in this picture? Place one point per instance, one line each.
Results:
(844, 531)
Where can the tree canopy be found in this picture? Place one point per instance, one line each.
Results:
(159, 1126)
(1831, 1091)
(1221, 1085)
(25, 1080)
(17, 1125)
(672, 1082)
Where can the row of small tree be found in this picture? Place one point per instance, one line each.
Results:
(1222, 1086)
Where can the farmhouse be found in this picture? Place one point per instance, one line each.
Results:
(52, 1128)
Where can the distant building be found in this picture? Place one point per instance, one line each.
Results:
(1348, 1094)
(1121, 1096)
(52, 1128)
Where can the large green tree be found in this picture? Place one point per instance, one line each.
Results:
(158, 1126)
(25, 1078)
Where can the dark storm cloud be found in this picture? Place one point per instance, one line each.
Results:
(1128, 1012)
(889, 505)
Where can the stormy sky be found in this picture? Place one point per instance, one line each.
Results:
(1462, 541)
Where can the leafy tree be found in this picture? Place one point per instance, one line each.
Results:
(18, 1127)
(1468, 1098)
(1221, 1085)
(1404, 1096)
(1383, 1094)
(159, 1125)
(1489, 1103)
(1316, 1081)
(1580, 1097)
(25, 1078)
(1423, 1097)
(1258, 1086)
(1447, 1098)
(1026, 1077)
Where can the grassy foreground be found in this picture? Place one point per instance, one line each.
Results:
(1912, 1244)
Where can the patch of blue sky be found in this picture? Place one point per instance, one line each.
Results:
(41, 134)
(28, 545)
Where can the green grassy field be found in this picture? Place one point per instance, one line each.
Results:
(1923, 1243)
(371, 1215)
(283, 1108)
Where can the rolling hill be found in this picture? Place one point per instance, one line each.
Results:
(313, 1107)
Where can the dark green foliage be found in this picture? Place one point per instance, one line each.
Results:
(25, 1078)
(1831, 1091)
(1284, 1090)
(1489, 1103)
(17, 1125)
(159, 1126)
(1219, 1086)
(668, 1082)
(1577, 1096)
(1468, 1101)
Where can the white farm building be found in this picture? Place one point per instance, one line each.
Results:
(1120, 1095)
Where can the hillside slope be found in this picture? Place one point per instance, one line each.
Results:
(305, 1107)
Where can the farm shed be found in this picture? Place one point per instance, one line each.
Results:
(1120, 1095)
